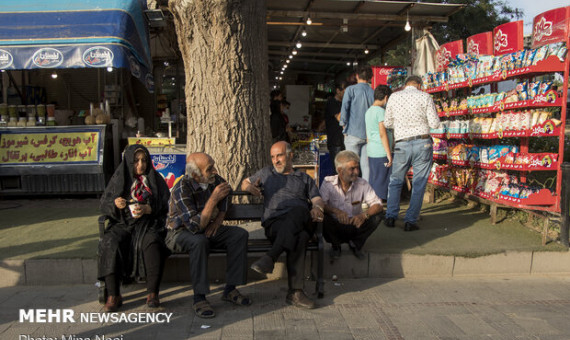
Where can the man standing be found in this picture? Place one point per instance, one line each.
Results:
(344, 194)
(335, 139)
(357, 99)
(412, 113)
(198, 204)
(291, 202)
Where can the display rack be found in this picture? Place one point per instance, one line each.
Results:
(544, 199)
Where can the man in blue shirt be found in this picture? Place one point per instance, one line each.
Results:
(357, 99)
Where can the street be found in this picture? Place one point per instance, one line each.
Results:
(442, 308)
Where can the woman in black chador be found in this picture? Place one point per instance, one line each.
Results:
(136, 202)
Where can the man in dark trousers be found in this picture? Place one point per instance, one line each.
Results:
(291, 203)
(198, 205)
(335, 139)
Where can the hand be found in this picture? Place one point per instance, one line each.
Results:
(221, 191)
(211, 230)
(120, 203)
(358, 220)
(342, 217)
(255, 188)
(317, 215)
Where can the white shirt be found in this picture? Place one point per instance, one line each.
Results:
(350, 202)
(411, 112)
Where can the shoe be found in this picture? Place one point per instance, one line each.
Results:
(389, 222)
(335, 252)
(152, 300)
(298, 298)
(264, 265)
(113, 303)
(410, 226)
(357, 252)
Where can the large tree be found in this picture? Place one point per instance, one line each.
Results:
(224, 48)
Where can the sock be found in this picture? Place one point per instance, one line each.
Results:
(199, 297)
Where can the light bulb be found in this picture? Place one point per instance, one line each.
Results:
(287, 61)
(407, 27)
(290, 56)
(298, 45)
(304, 33)
(348, 63)
(294, 52)
(54, 75)
(110, 69)
(309, 21)
(366, 51)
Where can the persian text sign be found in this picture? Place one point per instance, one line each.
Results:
(49, 147)
(151, 141)
(508, 38)
(481, 43)
(551, 26)
(446, 52)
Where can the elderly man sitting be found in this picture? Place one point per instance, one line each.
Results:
(197, 207)
(344, 194)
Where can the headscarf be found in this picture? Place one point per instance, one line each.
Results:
(124, 179)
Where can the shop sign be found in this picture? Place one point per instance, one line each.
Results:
(172, 167)
(151, 141)
(6, 59)
(49, 148)
(98, 56)
(135, 67)
(47, 58)
(446, 52)
(508, 38)
(481, 43)
(550, 26)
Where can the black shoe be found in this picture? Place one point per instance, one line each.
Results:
(357, 252)
(390, 222)
(335, 252)
(410, 226)
(298, 298)
(264, 265)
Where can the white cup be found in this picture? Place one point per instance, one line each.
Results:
(132, 207)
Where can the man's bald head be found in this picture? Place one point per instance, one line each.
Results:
(282, 157)
(200, 166)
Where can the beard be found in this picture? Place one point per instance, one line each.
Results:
(279, 168)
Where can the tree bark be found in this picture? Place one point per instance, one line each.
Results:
(224, 48)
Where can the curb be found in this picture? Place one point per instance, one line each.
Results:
(376, 265)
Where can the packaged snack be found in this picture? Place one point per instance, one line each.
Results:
(500, 96)
(514, 190)
(540, 54)
(533, 89)
(509, 158)
(553, 48)
(525, 120)
(544, 87)
(519, 58)
(484, 155)
(534, 118)
(561, 53)
(543, 117)
(521, 89)
(529, 57)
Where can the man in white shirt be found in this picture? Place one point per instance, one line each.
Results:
(411, 112)
(344, 194)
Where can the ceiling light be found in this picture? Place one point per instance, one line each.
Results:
(309, 21)
(110, 69)
(304, 33)
(166, 63)
(407, 27)
(54, 75)
(366, 51)
(294, 52)
(276, 78)
(348, 63)
(355, 63)
(281, 72)
(285, 66)
(290, 56)
(298, 45)
(287, 61)
(280, 78)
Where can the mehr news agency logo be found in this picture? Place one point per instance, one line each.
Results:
(69, 316)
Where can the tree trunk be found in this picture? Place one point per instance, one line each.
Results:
(224, 48)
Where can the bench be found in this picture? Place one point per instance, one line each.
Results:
(253, 212)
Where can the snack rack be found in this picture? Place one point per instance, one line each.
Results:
(539, 199)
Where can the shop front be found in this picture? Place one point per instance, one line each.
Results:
(66, 84)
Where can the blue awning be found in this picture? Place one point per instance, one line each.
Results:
(38, 34)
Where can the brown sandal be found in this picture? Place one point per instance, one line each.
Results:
(202, 308)
(236, 298)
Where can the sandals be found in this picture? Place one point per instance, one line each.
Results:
(203, 309)
(236, 298)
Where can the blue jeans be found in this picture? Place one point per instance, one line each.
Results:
(419, 155)
(358, 146)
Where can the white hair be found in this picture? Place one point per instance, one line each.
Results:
(192, 168)
(344, 157)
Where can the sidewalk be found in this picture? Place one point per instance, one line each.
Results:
(423, 309)
(54, 242)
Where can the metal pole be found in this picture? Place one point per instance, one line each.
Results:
(565, 203)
